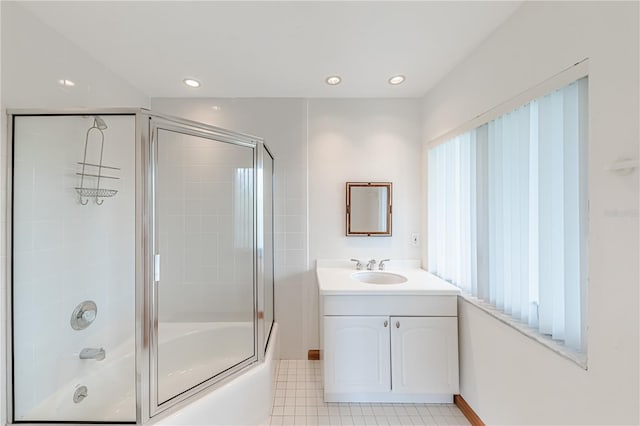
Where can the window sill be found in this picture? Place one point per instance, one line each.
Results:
(580, 359)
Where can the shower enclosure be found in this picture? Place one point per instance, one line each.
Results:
(140, 262)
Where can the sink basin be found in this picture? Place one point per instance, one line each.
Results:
(378, 277)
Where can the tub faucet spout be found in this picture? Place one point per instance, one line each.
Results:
(93, 353)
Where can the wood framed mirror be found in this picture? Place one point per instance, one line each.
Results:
(369, 209)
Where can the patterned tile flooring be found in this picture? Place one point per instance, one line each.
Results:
(298, 401)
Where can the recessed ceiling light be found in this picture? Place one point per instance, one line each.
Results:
(333, 80)
(66, 83)
(396, 79)
(216, 107)
(191, 82)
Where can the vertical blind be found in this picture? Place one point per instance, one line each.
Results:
(507, 207)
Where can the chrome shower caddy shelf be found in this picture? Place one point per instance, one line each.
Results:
(95, 192)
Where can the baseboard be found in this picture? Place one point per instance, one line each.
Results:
(467, 411)
(313, 355)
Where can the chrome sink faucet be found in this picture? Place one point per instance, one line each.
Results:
(358, 264)
(371, 265)
(381, 265)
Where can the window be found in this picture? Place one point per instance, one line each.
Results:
(507, 205)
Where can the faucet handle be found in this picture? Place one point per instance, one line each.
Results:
(358, 264)
(381, 264)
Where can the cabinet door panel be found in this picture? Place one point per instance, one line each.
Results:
(357, 357)
(424, 353)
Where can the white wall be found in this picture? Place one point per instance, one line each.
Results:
(506, 377)
(33, 59)
(360, 140)
(363, 141)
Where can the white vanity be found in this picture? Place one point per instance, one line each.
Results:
(395, 340)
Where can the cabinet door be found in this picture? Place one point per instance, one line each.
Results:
(356, 354)
(424, 353)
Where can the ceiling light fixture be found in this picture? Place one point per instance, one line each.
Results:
(66, 83)
(333, 80)
(396, 79)
(191, 82)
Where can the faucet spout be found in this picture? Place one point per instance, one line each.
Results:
(381, 265)
(93, 353)
(371, 265)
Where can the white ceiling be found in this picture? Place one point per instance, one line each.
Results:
(277, 49)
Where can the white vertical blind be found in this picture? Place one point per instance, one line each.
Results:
(507, 213)
(452, 223)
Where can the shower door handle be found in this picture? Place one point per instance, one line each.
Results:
(156, 267)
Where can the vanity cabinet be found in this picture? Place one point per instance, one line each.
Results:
(424, 355)
(394, 357)
(357, 354)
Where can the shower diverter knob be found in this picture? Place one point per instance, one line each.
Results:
(84, 315)
(89, 316)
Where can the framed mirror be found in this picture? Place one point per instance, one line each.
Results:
(369, 209)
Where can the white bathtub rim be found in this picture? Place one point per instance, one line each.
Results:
(124, 354)
(201, 409)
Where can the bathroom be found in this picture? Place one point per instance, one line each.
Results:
(327, 136)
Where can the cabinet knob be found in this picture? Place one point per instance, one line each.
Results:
(397, 324)
(386, 323)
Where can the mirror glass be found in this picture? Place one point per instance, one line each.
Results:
(368, 209)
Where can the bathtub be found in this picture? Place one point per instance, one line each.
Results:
(110, 388)
(192, 352)
(242, 400)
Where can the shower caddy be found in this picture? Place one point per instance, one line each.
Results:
(95, 192)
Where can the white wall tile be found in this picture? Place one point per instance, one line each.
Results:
(66, 253)
(295, 240)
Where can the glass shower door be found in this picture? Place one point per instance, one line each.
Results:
(205, 246)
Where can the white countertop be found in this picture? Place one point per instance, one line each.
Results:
(334, 278)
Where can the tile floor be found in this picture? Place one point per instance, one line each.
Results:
(298, 401)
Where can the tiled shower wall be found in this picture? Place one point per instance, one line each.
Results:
(205, 228)
(65, 253)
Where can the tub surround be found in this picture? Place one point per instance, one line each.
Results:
(145, 354)
(388, 342)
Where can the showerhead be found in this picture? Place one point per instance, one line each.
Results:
(99, 123)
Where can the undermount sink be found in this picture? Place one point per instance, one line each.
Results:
(378, 277)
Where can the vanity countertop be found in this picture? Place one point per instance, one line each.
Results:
(335, 278)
